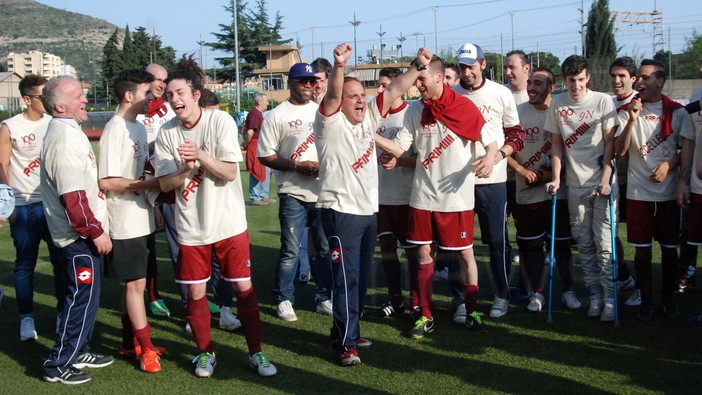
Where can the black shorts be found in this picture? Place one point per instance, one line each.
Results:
(128, 259)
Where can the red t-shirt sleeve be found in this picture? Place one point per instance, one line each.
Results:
(80, 216)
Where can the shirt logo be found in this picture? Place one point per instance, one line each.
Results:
(335, 255)
(84, 275)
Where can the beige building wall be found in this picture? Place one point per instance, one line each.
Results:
(35, 62)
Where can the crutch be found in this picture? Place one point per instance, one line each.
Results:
(613, 226)
(551, 256)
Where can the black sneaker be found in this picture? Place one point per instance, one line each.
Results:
(645, 313)
(72, 376)
(92, 360)
(387, 309)
(669, 310)
(686, 282)
(415, 313)
(474, 322)
(422, 327)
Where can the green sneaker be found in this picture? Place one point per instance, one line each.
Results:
(474, 321)
(159, 309)
(422, 327)
(214, 309)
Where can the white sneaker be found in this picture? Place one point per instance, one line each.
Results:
(570, 300)
(263, 366)
(625, 285)
(608, 311)
(27, 331)
(204, 364)
(325, 308)
(286, 311)
(187, 328)
(634, 299)
(536, 302)
(459, 316)
(515, 260)
(227, 319)
(595, 309)
(441, 275)
(499, 307)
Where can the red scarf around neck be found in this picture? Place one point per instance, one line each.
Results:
(457, 112)
(157, 107)
(669, 105)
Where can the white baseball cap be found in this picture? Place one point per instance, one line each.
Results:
(469, 53)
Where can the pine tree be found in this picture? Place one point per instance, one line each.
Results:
(129, 60)
(600, 46)
(111, 62)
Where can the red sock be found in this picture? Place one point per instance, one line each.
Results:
(413, 263)
(128, 340)
(247, 307)
(143, 336)
(471, 298)
(199, 317)
(425, 287)
(152, 287)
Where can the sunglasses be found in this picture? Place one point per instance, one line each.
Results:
(305, 81)
(38, 97)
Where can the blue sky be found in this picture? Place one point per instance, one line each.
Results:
(544, 25)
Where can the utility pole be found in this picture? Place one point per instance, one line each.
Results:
(511, 17)
(381, 33)
(582, 28)
(355, 24)
(236, 56)
(436, 31)
(401, 39)
(654, 18)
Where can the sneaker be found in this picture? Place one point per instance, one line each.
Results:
(227, 319)
(515, 259)
(645, 313)
(441, 275)
(27, 330)
(187, 328)
(459, 316)
(571, 301)
(260, 203)
(625, 285)
(634, 299)
(607, 314)
(325, 308)
(685, 283)
(669, 310)
(595, 309)
(387, 309)
(205, 364)
(149, 361)
(263, 366)
(269, 200)
(286, 311)
(71, 376)
(93, 361)
(350, 358)
(159, 309)
(474, 322)
(422, 327)
(363, 343)
(214, 309)
(136, 351)
(415, 313)
(499, 307)
(536, 302)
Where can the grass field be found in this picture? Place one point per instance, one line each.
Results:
(521, 353)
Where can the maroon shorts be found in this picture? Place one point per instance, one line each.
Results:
(393, 220)
(453, 231)
(534, 220)
(694, 220)
(646, 221)
(194, 263)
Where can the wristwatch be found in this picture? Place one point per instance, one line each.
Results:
(504, 155)
(417, 66)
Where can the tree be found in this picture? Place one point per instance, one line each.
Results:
(147, 49)
(129, 60)
(112, 61)
(254, 30)
(689, 63)
(600, 46)
(545, 59)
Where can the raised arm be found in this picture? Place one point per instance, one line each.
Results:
(400, 85)
(332, 100)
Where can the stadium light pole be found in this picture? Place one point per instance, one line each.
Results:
(381, 33)
(355, 24)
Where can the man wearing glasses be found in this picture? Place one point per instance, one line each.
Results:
(286, 143)
(20, 143)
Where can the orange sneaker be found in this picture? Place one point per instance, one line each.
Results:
(136, 351)
(149, 361)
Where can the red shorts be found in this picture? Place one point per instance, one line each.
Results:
(534, 220)
(453, 231)
(194, 263)
(653, 220)
(393, 220)
(694, 220)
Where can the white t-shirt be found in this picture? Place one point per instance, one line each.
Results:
(395, 185)
(444, 180)
(208, 209)
(497, 105)
(519, 96)
(648, 149)
(696, 182)
(537, 146)
(26, 137)
(123, 153)
(68, 165)
(348, 165)
(620, 102)
(582, 124)
(288, 131)
(153, 124)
